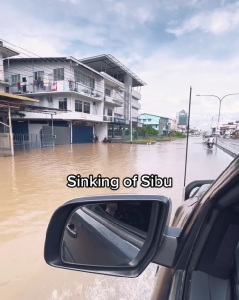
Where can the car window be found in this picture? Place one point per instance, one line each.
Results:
(133, 215)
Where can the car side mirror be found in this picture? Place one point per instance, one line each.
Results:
(112, 235)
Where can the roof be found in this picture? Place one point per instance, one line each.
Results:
(7, 52)
(51, 60)
(155, 116)
(11, 98)
(109, 64)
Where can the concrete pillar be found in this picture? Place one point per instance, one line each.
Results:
(128, 91)
(1, 68)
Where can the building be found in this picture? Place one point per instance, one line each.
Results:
(161, 124)
(182, 120)
(95, 92)
(128, 84)
(5, 52)
(173, 124)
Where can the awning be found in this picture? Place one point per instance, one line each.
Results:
(14, 101)
(21, 103)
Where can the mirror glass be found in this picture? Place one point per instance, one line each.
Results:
(107, 233)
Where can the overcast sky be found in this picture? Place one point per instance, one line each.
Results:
(169, 44)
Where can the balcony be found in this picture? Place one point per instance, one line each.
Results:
(62, 86)
(136, 95)
(64, 116)
(136, 104)
(108, 119)
(114, 101)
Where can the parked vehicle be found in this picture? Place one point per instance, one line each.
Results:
(95, 138)
(119, 235)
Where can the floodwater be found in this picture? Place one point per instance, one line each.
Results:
(33, 185)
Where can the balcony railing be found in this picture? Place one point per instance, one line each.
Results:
(108, 118)
(56, 86)
(136, 104)
(114, 100)
(136, 94)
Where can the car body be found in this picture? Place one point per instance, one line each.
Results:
(197, 255)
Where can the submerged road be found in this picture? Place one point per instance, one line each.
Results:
(33, 185)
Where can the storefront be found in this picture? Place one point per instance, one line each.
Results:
(120, 128)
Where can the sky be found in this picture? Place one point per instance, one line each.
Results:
(170, 44)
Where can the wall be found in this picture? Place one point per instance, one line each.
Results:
(2, 87)
(101, 131)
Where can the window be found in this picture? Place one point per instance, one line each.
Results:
(78, 105)
(58, 74)
(82, 106)
(15, 78)
(84, 79)
(86, 108)
(110, 112)
(63, 103)
(149, 120)
(108, 92)
(38, 75)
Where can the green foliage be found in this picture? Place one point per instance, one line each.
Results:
(148, 129)
(178, 135)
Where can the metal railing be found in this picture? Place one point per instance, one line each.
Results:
(56, 86)
(26, 141)
(232, 147)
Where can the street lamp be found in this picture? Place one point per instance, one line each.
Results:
(211, 117)
(220, 102)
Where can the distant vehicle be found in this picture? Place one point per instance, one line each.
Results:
(226, 136)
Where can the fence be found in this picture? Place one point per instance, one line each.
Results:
(26, 141)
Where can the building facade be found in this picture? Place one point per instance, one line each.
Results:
(182, 120)
(5, 52)
(161, 124)
(94, 99)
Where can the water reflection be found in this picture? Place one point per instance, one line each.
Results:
(33, 185)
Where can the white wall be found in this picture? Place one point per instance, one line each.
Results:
(101, 131)
(2, 88)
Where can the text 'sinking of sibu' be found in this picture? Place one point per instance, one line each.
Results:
(113, 183)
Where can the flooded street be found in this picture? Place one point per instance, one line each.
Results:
(33, 185)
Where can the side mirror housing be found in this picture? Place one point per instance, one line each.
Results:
(115, 235)
(193, 185)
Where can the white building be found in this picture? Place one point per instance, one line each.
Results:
(97, 98)
(5, 52)
(173, 124)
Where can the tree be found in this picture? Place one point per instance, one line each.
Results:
(148, 129)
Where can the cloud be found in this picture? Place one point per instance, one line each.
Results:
(168, 82)
(169, 44)
(220, 21)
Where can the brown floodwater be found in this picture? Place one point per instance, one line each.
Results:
(33, 185)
